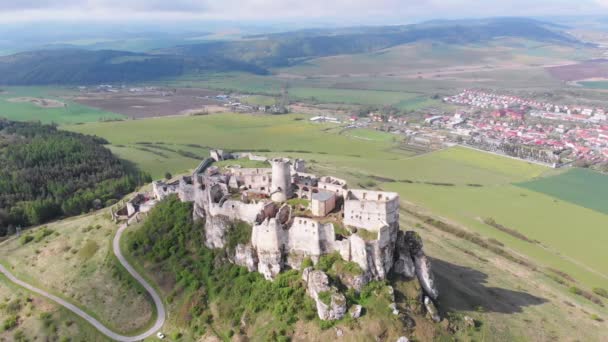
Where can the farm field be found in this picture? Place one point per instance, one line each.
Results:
(162, 102)
(95, 281)
(582, 187)
(341, 90)
(156, 161)
(295, 136)
(363, 97)
(259, 100)
(13, 106)
(287, 133)
(462, 185)
(571, 237)
(369, 134)
(594, 84)
(423, 57)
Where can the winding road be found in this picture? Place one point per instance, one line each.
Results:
(160, 308)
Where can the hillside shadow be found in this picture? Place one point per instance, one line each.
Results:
(463, 288)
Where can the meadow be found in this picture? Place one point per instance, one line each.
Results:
(95, 281)
(462, 185)
(72, 113)
(420, 56)
(370, 91)
(289, 134)
(570, 238)
(35, 317)
(594, 84)
(582, 187)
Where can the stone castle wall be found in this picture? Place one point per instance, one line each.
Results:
(371, 210)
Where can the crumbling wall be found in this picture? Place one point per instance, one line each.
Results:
(186, 190)
(253, 178)
(237, 210)
(162, 190)
(371, 210)
(310, 238)
(268, 239)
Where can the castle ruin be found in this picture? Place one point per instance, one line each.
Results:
(296, 215)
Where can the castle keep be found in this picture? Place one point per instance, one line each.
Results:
(296, 215)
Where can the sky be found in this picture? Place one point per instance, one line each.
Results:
(338, 11)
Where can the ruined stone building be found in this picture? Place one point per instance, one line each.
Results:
(285, 232)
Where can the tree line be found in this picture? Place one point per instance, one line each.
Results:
(47, 173)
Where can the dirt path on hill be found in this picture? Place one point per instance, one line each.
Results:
(160, 308)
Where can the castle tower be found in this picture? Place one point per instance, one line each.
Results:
(280, 188)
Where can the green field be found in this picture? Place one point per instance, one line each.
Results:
(349, 91)
(26, 111)
(259, 100)
(582, 187)
(571, 237)
(371, 135)
(594, 84)
(434, 56)
(460, 184)
(291, 134)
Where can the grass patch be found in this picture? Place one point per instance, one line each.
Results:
(88, 250)
(325, 297)
(366, 234)
(579, 186)
(240, 233)
(70, 114)
(491, 222)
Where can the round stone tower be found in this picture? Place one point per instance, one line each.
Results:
(280, 188)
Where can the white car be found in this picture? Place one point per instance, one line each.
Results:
(160, 335)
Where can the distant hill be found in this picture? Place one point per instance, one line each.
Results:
(283, 49)
(74, 66)
(258, 53)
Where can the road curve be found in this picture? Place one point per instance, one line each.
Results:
(160, 308)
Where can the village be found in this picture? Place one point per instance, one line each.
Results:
(536, 131)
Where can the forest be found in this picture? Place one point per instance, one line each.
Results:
(46, 173)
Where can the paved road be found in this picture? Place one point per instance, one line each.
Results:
(160, 308)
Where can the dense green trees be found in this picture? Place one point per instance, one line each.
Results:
(171, 238)
(74, 66)
(46, 173)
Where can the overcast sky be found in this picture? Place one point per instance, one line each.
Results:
(364, 11)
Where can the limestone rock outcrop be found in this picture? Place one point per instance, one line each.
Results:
(422, 264)
(245, 255)
(356, 282)
(404, 264)
(270, 263)
(356, 311)
(431, 310)
(216, 228)
(331, 304)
